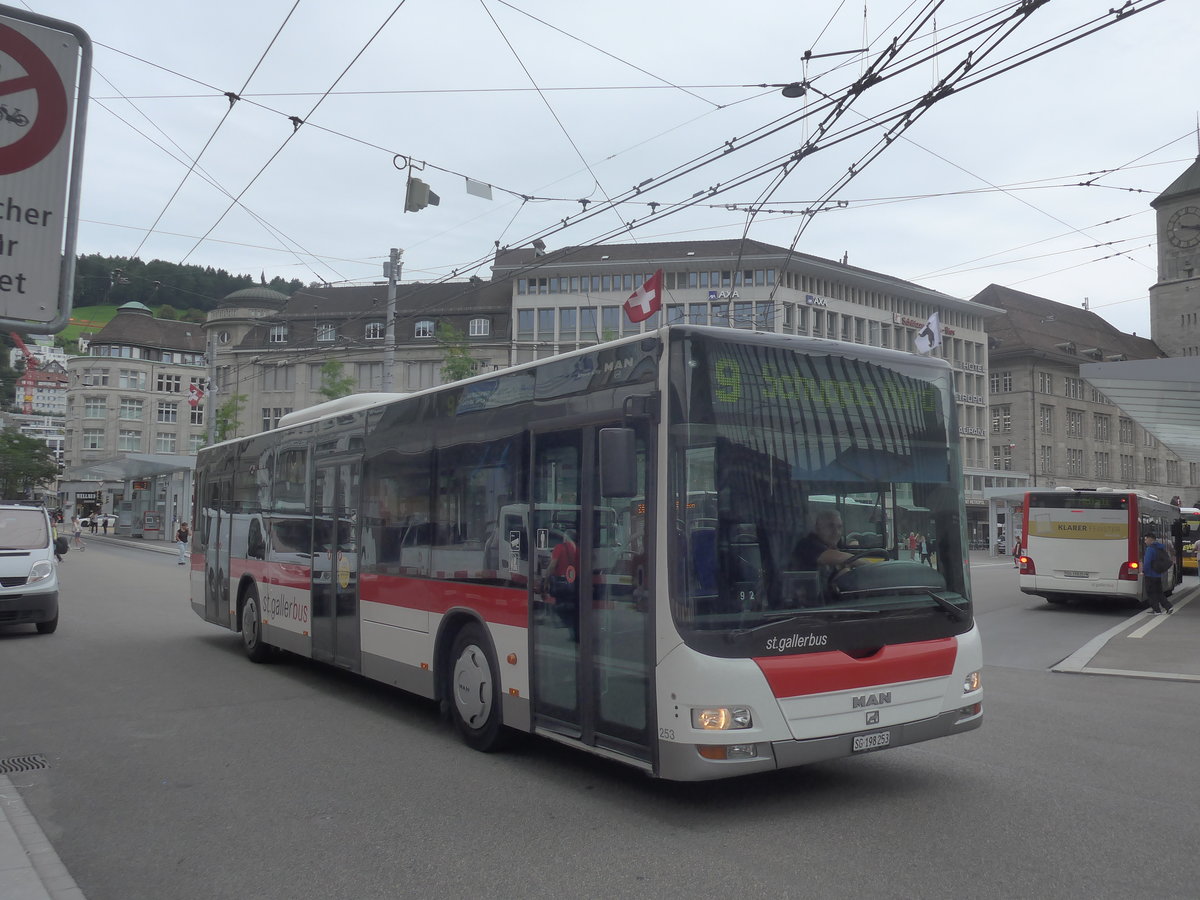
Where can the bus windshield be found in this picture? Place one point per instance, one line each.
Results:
(783, 455)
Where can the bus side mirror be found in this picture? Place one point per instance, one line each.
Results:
(618, 462)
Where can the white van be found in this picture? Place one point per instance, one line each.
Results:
(28, 568)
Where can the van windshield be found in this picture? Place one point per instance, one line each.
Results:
(23, 529)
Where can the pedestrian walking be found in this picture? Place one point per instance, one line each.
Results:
(77, 532)
(1152, 574)
(93, 524)
(104, 524)
(181, 538)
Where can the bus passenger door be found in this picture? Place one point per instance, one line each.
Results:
(335, 631)
(590, 602)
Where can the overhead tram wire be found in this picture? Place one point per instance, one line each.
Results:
(609, 55)
(283, 239)
(232, 102)
(295, 130)
(549, 106)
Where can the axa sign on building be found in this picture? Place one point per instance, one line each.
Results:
(44, 74)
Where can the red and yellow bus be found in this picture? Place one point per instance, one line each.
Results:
(1088, 543)
(412, 539)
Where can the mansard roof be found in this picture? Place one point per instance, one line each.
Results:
(135, 325)
(1033, 324)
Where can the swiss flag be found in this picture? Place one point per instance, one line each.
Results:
(646, 300)
(195, 395)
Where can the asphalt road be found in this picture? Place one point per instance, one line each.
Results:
(177, 769)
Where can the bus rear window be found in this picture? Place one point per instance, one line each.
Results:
(1078, 501)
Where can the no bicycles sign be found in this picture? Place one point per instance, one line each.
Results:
(44, 74)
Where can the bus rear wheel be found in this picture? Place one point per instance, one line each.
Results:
(257, 650)
(474, 689)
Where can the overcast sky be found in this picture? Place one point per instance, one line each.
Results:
(567, 101)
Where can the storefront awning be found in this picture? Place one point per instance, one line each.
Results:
(1161, 395)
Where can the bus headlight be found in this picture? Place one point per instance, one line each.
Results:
(722, 718)
(971, 683)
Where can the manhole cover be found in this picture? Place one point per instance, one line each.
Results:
(22, 763)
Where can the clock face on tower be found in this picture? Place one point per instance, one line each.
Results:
(1183, 228)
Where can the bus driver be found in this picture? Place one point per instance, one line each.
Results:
(820, 546)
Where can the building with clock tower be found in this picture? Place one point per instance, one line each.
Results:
(1175, 299)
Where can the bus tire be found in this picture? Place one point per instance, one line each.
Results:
(473, 685)
(257, 650)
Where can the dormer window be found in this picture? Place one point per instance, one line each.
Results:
(479, 328)
(424, 329)
(277, 334)
(373, 331)
(326, 331)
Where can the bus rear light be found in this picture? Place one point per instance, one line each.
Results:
(728, 751)
(1027, 566)
(1129, 571)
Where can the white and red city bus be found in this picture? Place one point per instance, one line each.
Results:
(600, 548)
(1083, 542)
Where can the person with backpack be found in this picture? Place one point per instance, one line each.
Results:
(1155, 564)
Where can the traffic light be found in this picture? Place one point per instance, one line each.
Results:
(418, 196)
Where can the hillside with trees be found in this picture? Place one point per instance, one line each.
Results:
(113, 280)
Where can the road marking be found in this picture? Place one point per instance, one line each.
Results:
(1155, 621)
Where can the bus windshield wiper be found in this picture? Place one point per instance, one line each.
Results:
(816, 614)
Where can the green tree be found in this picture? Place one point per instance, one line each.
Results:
(459, 363)
(25, 463)
(228, 414)
(334, 383)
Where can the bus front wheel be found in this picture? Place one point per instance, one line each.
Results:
(257, 650)
(474, 688)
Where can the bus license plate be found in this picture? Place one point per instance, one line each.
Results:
(876, 741)
(1070, 574)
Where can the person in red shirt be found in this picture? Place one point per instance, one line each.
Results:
(562, 582)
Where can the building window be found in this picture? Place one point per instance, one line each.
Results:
(1074, 462)
(1046, 419)
(326, 331)
(1074, 423)
(1002, 419)
(1045, 383)
(278, 378)
(169, 384)
(1126, 468)
(1046, 459)
(271, 416)
(525, 324)
(480, 327)
(130, 409)
(168, 412)
(197, 416)
(1102, 471)
(374, 331)
(129, 439)
(277, 334)
(1002, 457)
(423, 329)
(93, 439)
(1172, 471)
(1151, 466)
(195, 442)
(1149, 440)
(1001, 382)
(1126, 428)
(95, 407)
(370, 376)
(95, 377)
(131, 380)
(164, 443)
(545, 325)
(1102, 427)
(1073, 388)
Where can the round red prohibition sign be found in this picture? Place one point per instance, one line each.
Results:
(40, 76)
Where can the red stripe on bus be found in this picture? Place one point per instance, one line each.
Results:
(819, 673)
(498, 605)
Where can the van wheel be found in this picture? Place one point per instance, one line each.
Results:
(48, 627)
(257, 650)
(474, 688)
